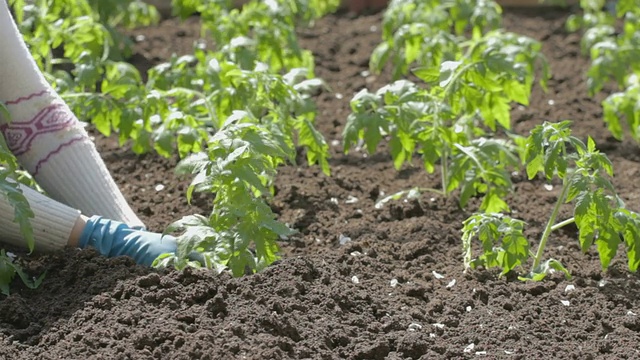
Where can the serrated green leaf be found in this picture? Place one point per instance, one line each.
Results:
(545, 268)
(428, 74)
(607, 245)
(517, 92)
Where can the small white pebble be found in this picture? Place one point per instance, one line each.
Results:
(339, 96)
(373, 28)
(394, 282)
(565, 302)
(508, 352)
(451, 284)
(631, 313)
(469, 308)
(334, 200)
(159, 187)
(343, 239)
(602, 283)
(569, 288)
(548, 187)
(414, 327)
(551, 102)
(437, 275)
(140, 38)
(365, 73)
(481, 353)
(432, 335)
(356, 253)
(351, 200)
(335, 142)
(469, 348)
(438, 325)
(355, 280)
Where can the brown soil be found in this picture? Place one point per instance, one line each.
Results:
(327, 301)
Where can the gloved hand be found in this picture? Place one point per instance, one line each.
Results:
(112, 238)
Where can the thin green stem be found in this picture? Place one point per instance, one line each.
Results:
(563, 224)
(456, 76)
(432, 190)
(445, 171)
(552, 220)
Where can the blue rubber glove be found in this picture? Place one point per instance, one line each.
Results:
(113, 238)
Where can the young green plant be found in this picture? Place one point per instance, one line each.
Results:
(446, 120)
(238, 168)
(598, 213)
(11, 192)
(430, 32)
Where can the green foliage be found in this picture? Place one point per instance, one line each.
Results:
(239, 168)
(429, 32)
(598, 213)
(186, 100)
(624, 105)
(9, 270)
(11, 190)
(85, 29)
(261, 31)
(614, 51)
(547, 149)
(496, 69)
(10, 178)
(503, 242)
(445, 121)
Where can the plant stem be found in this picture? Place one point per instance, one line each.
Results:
(563, 224)
(552, 219)
(445, 171)
(456, 76)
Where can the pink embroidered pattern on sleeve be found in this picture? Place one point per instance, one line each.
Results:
(56, 151)
(20, 135)
(25, 98)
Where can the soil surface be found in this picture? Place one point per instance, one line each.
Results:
(396, 290)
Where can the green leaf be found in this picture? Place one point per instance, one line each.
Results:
(447, 71)
(4, 112)
(545, 268)
(428, 74)
(607, 245)
(517, 92)
(318, 149)
(516, 251)
(13, 193)
(492, 203)
(630, 231)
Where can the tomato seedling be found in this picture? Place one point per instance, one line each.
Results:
(428, 32)
(598, 213)
(445, 121)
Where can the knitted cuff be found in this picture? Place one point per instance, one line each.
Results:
(52, 223)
